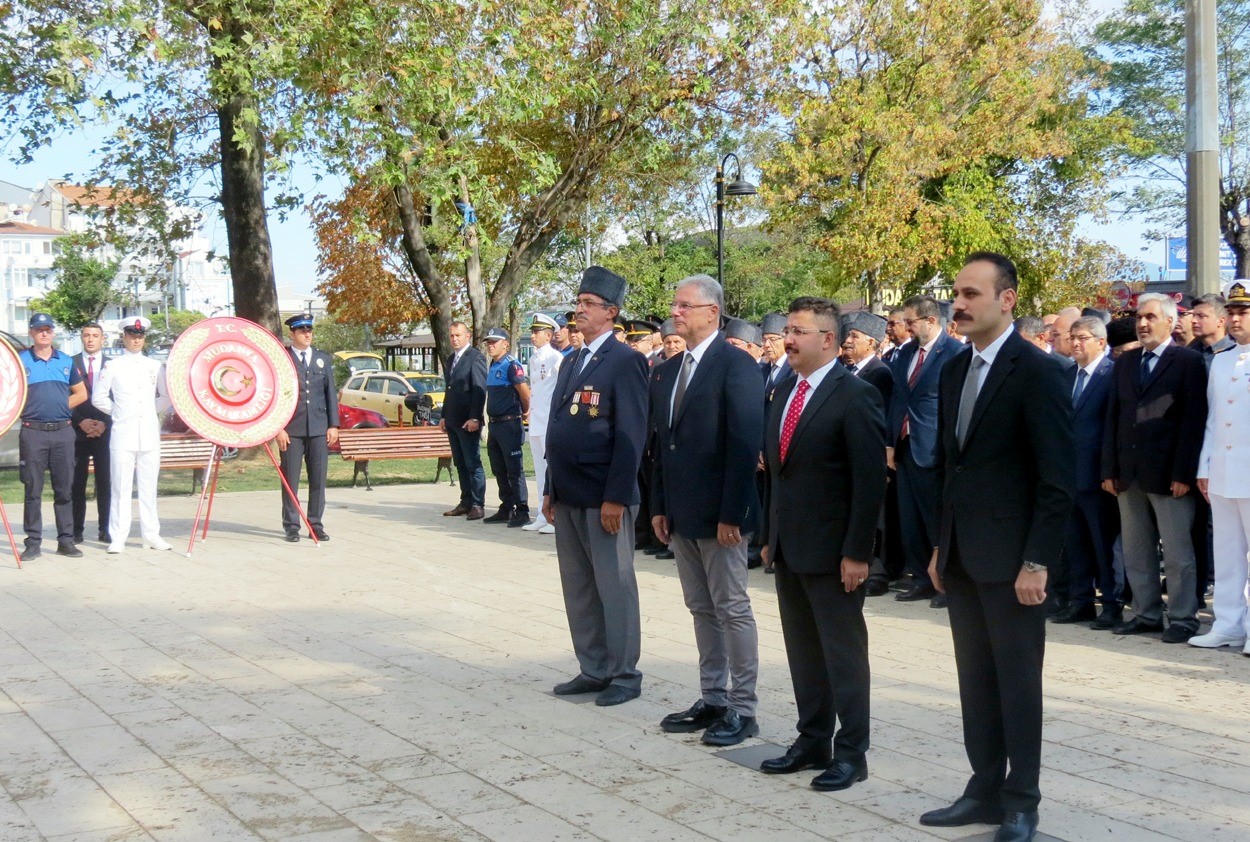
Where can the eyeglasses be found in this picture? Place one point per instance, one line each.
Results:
(682, 307)
(911, 322)
(1081, 337)
(590, 302)
(801, 331)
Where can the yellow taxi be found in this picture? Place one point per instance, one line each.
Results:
(385, 392)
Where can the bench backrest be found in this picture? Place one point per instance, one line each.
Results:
(185, 450)
(396, 442)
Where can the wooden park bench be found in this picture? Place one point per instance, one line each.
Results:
(185, 451)
(362, 444)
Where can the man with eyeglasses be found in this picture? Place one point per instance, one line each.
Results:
(312, 430)
(595, 437)
(897, 331)
(1087, 559)
(912, 436)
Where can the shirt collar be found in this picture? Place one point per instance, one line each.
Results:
(1158, 352)
(816, 377)
(598, 342)
(699, 350)
(1092, 367)
(991, 351)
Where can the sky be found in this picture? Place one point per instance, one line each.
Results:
(295, 251)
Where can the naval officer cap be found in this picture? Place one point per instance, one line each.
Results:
(542, 321)
(1237, 293)
(495, 334)
(745, 331)
(300, 320)
(607, 285)
(40, 320)
(869, 324)
(773, 324)
(138, 325)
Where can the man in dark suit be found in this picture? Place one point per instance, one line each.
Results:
(311, 431)
(1155, 424)
(898, 333)
(1006, 471)
(91, 438)
(824, 435)
(775, 368)
(1087, 550)
(864, 334)
(708, 421)
(595, 439)
(912, 436)
(463, 406)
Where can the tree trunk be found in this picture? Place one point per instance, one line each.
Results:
(243, 206)
(418, 254)
(473, 272)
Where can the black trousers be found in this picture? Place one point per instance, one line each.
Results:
(917, 511)
(87, 451)
(999, 648)
(827, 649)
(507, 463)
(51, 452)
(312, 452)
(1087, 551)
(466, 455)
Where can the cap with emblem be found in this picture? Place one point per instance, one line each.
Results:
(668, 328)
(138, 325)
(773, 324)
(636, 329)
(607, 285)
(1184, 303)
(1237, 294)
(41, 320)
(542, 321)
(300, 320)
(869, 324)
(619, 327)
(745, 331)
(495, 334)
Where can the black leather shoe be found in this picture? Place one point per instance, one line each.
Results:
(1074, 614)
(580, 684)
(797, 759)
(843, 774)
(1175, 633)
(917, 592)
(291, 536)
(939, 601)
(666, 553)
(651, 550)
(876, 586)
(1017, 827)
(520, 517)
(1137, 626)
(105, 537)
(730, 729)
(70, 551)
(475, 513)
(1056, 606)
(1108, 618)
(501, 516)
(78, 539)
(320, 533)
(615, 694)
(31, 553)
(964, 811)
(699, 716)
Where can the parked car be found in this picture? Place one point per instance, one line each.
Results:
(9, 457)
(384, 392)
(354, 418)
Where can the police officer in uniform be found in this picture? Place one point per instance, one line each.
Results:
(46, 442)
(312, 430)
(507, 404)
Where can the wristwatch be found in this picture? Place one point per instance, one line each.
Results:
(1034, 567)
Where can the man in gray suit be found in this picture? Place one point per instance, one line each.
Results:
(311, 431)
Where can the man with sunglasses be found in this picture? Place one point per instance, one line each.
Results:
(312, 430)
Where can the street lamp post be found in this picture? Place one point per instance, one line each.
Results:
(737, 187)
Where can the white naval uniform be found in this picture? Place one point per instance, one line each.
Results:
(1225, 464)
(132, 389)
(544, 364)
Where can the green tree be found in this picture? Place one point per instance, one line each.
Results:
(1144, 44)
(167, 328)
(84, 285)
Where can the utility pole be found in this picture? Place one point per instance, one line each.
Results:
(1202, 149)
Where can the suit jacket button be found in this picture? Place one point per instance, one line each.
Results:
(959, 470)
(672, 447)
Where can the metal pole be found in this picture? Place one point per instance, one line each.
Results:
(1202, 149)
(720, 223)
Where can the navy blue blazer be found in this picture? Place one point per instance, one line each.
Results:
(770, 389)
(465, 396)
(922, 402)
(1089, 420)
(318, 406)
(593, 453)
(705, 462)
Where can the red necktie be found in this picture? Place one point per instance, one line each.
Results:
(90, 372)
(792, 416)
(911, 384)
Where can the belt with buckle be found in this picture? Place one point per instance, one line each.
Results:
(46, 426)
(497, 418)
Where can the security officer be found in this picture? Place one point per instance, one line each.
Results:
(132, 389)
(46, 441)
(313, 429)
(507, 404)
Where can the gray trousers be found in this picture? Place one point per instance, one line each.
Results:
(714, 583)
(600, 594)
(1145, 520)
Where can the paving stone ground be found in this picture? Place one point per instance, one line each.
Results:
(395, 685)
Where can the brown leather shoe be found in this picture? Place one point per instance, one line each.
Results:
(475, 513)
(458, 511)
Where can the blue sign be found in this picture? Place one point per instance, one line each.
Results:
(1178, 256)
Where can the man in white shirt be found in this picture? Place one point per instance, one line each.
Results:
(544, 364)
(132, 390)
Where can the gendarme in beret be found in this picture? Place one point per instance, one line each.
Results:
(745, 331)
(773, 323)
(607, 285)
(869, 324)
